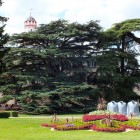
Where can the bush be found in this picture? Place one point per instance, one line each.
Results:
(14, 113)
(4, 114)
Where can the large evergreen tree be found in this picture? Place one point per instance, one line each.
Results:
(118, 64)
(49, 61)
(45, 70)
(3, 40)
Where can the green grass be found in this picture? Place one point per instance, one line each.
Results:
(30, 129)
(50, 116)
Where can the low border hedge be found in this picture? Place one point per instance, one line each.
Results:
(4, 114)
(14, 113)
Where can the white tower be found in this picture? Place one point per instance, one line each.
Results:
(30, 24)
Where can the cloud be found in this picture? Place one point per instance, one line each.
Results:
(44, 11)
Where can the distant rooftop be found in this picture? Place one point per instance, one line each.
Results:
(30, 18)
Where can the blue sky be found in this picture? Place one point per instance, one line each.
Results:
(82, 11)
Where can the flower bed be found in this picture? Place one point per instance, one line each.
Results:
(98, 122)
(98, 125)
(131, 127)
(118, 117)
(135, 125)
(77, 124)
(68, 126)
(108, 129)
(72, 127)
(47, 125)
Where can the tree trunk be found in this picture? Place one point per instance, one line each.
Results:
(122, 66)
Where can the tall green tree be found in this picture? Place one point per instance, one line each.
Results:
(118, 64)
(49, 59)
(3, 40)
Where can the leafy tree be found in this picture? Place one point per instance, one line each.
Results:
(118, 67)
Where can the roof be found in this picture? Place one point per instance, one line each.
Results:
(30, 18)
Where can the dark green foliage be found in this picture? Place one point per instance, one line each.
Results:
(3, 40)
(5, 99)
(118, 70)
(80, 98)
(14, 113)
(48, 70)
(48, 63)
(124, 27)
(4, 114)
(11, 113)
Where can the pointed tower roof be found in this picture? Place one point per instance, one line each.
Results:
(30, 24)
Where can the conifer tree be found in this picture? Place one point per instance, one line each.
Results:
(3, 40)
(118, 64)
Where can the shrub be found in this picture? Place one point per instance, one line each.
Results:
(4, 114)
(14, 113)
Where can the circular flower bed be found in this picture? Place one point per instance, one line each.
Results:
(97, 121)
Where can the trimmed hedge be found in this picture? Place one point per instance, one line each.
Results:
(4, 114)
(13, 113)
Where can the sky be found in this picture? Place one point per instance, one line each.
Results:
(107, 12)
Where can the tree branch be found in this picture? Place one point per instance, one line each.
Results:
(131, 35)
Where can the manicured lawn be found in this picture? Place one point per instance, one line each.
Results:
(30, 129)
(48, 116)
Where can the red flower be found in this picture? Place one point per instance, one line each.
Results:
(118, 117)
